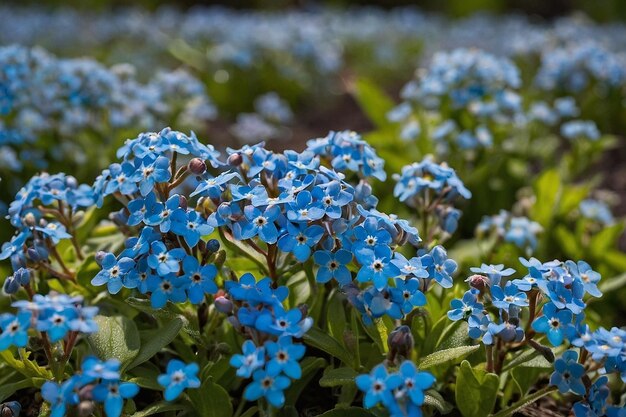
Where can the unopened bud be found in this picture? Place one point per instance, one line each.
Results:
(235, 160)
(182, 202)
(213, 245)
(22, 276)
(197, 166)
(480, 282)
(11, 286)
(10, 409)
(400, 342)
(223, 304)
(100, 257)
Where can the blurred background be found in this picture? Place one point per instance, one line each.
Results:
(601, 10)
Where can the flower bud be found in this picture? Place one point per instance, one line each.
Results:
(235, 160)
(213, 245)
(10, 409)
(223, 304)
(22, 276)
(400, 342)
(197, 166)
(100, 257)
(182, 202)
(11, 286)
(480, 282)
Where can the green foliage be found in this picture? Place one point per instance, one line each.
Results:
(476, 391)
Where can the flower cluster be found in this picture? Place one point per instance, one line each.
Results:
(472, 81)
(45, 95)
(167, 257)
(518, 230)
(431, 187)
(271, 356)
(578, 65)
(564, 284)
(58, 316)
(178, 377)
(596, 210)
(97, 382)
(400, 392)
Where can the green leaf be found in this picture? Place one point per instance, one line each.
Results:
(476, 391)
(455, 335)
(152, 341)
(117, 338)
(374, 102)
(447, 356)
(211, 400)
(605, 239)
(160, 407)
(336, 316)
(347, 412)
(547, 192)
(433, 399)
(6, 390)
(24, 366)
(338, 376)
(317, 338)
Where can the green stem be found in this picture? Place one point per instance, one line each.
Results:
(529, 399)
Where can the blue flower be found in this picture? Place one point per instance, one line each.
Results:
(414, 267)
(442, 268)
(510, 296)
(258, 223)
(468, 306)
(113, 272)
(165, 261)
(588, 276)
(568, 373)
(376, 266)
(213, 187)
(59, 396)
(56, 322)
(150, 172)
(284, 323)
(201, 279)
(333, 265)
(304, 209)
(415, 382)
(178, 377)
(370, 235)
(553, 323)
(190, 225)
(166, 288)
(142, 207)
(14, 329)
(284, 356)
(93, 368)
(378, 386)
(112, 395)
(252, 359)
(494, 272)
(268, 385)
(299, 239)
(161, 214)
(407, 294)
(332, 198)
